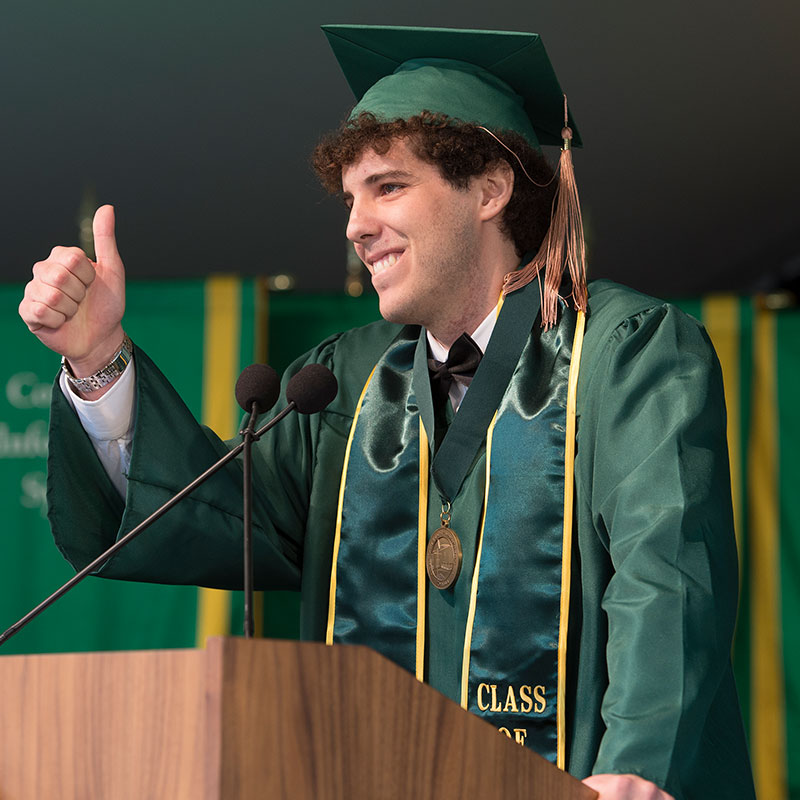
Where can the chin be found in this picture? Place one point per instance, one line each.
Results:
(399, 313)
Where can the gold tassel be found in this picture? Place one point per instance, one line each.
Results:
(562, 247)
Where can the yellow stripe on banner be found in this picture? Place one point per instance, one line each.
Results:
(767, 693)
(422, 542)
(337, 537)
(721, 319)
(261, 327)
(220, 369)
(473, 595)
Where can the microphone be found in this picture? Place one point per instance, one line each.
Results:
(260, 384)
(313, 388)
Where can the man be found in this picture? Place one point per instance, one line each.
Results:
(437, 523)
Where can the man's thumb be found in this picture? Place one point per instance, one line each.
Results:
(105, 242)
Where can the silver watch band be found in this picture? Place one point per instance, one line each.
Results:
(103, 376)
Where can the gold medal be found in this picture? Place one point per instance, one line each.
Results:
(443, 556)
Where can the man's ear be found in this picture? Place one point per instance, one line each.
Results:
(496, 185)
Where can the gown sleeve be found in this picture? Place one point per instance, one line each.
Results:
(199, 541)
(661, 506)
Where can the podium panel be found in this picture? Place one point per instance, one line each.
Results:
(249, 719)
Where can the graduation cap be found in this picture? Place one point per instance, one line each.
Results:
(498, 80)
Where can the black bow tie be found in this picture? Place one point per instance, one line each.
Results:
(462, 360)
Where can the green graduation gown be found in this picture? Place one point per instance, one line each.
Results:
(650, 689)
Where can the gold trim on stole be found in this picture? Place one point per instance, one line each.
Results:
(473, 595)
(566, 547)
(422, 538)
(338, 534)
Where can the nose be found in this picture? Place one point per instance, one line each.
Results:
(362, 223)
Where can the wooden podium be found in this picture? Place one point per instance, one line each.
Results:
(250, 719)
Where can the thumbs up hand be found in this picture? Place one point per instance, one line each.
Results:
(75, 305)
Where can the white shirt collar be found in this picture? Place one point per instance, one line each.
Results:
(480, 336)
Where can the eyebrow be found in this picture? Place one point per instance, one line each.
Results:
(390, 175)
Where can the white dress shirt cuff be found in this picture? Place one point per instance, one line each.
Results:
(110, 417)
(109, 421)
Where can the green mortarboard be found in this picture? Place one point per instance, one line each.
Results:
(500, 79)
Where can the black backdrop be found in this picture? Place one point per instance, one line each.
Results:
(196, 119)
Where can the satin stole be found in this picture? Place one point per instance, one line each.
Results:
(514, 651)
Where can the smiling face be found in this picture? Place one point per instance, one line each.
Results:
(429, 246)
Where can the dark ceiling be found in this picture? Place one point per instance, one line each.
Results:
(196, 120)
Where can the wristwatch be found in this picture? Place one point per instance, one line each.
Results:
(103, 376)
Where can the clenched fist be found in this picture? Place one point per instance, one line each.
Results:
(75, 305)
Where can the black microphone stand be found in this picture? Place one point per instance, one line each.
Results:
(247, 512)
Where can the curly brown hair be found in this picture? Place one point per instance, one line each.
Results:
(461, 151)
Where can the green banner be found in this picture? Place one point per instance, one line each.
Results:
(96, 615)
